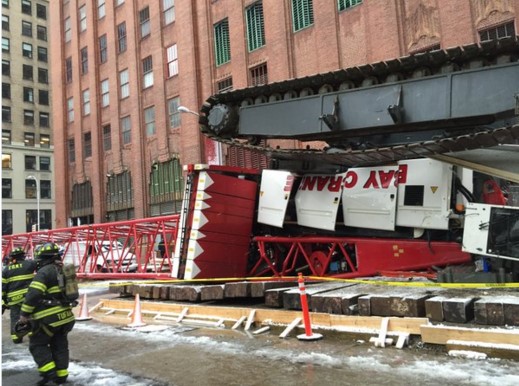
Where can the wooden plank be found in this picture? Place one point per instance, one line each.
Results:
(503, 351)
(434, 308)
(458, 310)
(237, 290)
(290, 327)
(189, 293)
(511, 311)
(334, 302)
(261, 330)
(258, 288)
(238, 322)
(182, 314)
(409, 305)
(211, 292)
(442, 334)
(292, 298)
(273, 316)
(164, 292)
(250, 320)
(274, 296)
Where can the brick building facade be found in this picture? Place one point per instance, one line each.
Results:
(121, 68)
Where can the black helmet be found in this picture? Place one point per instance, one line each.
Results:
(48, 251)
(17, 253)
(22, 329)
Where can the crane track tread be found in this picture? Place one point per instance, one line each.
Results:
(423, 64)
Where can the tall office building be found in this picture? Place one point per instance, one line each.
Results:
(27, 141)
(122, 68)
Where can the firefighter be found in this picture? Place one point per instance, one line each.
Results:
(51, 317)
(16, 277)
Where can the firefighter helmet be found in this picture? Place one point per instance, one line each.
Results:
(48, 251)
(22, 329)
(17, 253)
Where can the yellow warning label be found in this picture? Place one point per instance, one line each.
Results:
(434, 189)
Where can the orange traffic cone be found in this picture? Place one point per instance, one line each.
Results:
(83, 313)
(136, 314)
(308, 335)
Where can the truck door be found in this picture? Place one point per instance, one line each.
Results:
(275, 189)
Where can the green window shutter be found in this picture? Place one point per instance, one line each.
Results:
(302, 14)
(345, 4)
(222, 42)
(255, 26)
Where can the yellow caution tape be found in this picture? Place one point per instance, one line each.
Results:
(320, 278)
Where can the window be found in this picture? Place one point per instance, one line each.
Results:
(6, 90)
(43, 75)
(105, 93)
(43, 97)
(6, 67)
(166, 185)
(147, 70)
(27, 72)
(224, 84)
(344, 4)
(27, 50)
(86, 102)
(7, 161)
(101, 10)
(302, 14)
(41, 32)
(28, 95)
(26, 28)
(6, 137)
(255, 26)
(28, 139)
(125, 84)
(87, 145)
(6, 114)
(172, 60)
(222, 42)
(28, 117)
(71, 151)
(126, 130)
(174, 114)
(6, 46)
(84, 60)
(169, 11)
(45, 163)
(41, 11)
(5, 3)
(70, 109)
(498, 32)
(44, 120)
(119, 2)
(45, 189)
(5, 23)
(26, 7)
(144, 18)
(149, 120)
(45, 141)
(107, 138)
(42, 54)
(68, 30)
(121, 37)
(68, 70)
(103, 53)
(259, 75)
(30, 162)
(82, 19)
(31, 219)
(7, 221)
(7, 189)
(30, 188)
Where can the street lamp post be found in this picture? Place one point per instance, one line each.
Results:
(37, 199)
(184, 109)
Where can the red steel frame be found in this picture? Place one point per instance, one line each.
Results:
(355, 257)
(138, 237)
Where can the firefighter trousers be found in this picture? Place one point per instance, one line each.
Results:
(49, 348)
(14, 311)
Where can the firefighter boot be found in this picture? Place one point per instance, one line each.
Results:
(49, 378)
